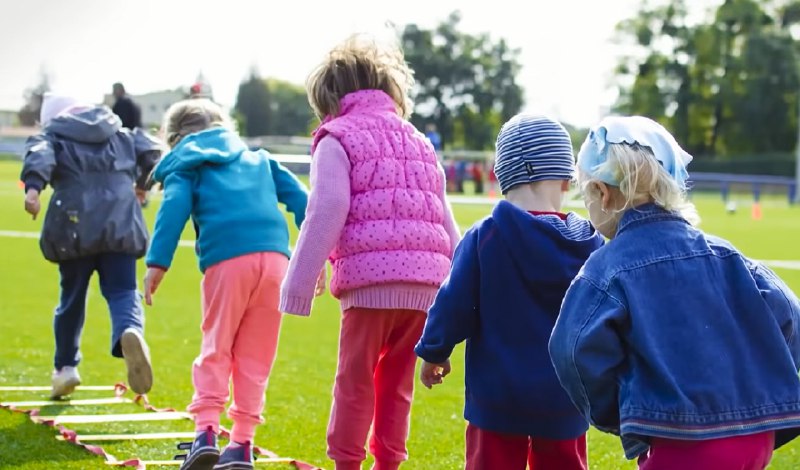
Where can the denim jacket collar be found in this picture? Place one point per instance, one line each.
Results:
(649, 212)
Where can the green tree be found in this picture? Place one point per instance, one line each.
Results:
(253, 103)
(289, 109)
(726, 86)
(465, 83)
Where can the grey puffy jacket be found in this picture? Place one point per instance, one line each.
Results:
(92, 163)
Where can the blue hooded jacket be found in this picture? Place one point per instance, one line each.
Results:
(232, 195)
(509, 275)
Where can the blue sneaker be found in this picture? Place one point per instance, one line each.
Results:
(203, 452)
(236, 458)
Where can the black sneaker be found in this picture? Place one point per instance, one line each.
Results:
(239, 457)
(203, 453)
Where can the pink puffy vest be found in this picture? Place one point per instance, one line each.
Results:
(395, 229)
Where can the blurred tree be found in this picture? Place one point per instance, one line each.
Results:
(725, 86)
(272, 107)
(465, 84)
(289, 109)
(253, 104)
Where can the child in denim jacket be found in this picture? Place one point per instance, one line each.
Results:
(670, 337)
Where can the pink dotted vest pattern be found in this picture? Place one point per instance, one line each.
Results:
(395, 229)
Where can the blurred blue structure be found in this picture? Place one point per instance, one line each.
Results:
(757, 183)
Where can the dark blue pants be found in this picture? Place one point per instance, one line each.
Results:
(117, 273)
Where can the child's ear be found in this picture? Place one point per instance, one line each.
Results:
(565, 185)
(605, 194)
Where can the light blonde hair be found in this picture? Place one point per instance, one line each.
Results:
(360, 63)
(190, 116)
(642, 179)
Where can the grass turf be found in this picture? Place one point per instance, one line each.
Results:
(298, 398)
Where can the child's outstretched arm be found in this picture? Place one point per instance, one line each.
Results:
(454, 314)
(784, 306)
(328, 206)
(587, 352)
(176, 207)
(40, 161)
(291, 192)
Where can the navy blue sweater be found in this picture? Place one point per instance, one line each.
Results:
(503, 295)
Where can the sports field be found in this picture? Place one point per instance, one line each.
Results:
(299, 394)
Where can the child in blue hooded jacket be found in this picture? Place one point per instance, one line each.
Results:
(509, 276)
(232, 195)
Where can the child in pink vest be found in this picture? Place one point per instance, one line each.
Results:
(378, 211)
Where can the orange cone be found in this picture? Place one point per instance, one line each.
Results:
(756, 211)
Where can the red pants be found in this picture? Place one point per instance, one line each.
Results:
(750, 452)
(487, 450)
(374, 386)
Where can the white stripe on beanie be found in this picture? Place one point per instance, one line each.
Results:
(532, 148)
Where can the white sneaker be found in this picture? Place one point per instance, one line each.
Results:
(137, 360)
(65, 381)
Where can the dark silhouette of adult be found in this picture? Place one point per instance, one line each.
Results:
(129, 112)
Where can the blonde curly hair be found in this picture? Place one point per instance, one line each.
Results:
(360, 63)
(642, 179)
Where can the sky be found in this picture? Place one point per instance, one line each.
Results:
(86, 45)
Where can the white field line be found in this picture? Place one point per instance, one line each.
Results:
(132, 437)
(47, 388)
(88, 401)
(121, 418)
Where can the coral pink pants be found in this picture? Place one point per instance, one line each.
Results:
(487, 450)
(374, 386)
(748, 452)
(241, 322)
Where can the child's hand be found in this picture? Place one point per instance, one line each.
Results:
(152, 279)
(320, 288)
(32, 204)
(433, 374)
(141, 196)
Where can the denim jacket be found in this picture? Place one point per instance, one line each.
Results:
(669, 332)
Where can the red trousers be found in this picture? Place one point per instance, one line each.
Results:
(487, 450)
(374, 386)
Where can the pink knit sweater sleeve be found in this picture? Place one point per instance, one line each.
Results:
(328, 206)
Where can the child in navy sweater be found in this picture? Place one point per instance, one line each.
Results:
(503, 295)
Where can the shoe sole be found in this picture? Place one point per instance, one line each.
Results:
(65, 389)
(204, 461)
(233, 466)
(137, 360)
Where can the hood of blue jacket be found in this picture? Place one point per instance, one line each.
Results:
(94, 125)
(545, 248)
(217, 146)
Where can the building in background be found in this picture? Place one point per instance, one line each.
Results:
(8, 118)
(156, 103)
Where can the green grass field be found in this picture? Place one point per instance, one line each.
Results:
(299, 394)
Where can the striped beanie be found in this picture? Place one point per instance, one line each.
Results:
(532, 148)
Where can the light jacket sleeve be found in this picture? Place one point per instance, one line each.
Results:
(291, 192)
(176, 207)
(328, 207)
(455, 313)
(784, 306)
(587, 352)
